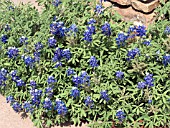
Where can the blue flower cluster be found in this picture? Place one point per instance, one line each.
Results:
(23, 40)
(47, 104)
(147, 42)
(37, 56)
(72, 30)
(99, 9)
(52, 42)
(70, 71)
(91, 21)
(120, 115)
(56, 2)
(59, 54)
(132, 53)
(119, 75)
(28, 107)
(12, 52)
(137, 31)
(51, 80)
(3, 77)
(104, 95)
(89, 102)
(17, 107)
(29, 61)
(75, 92)
(148, 82)
(106, 29)
(84, 79)
(121, 38)
(167, 30)
(58, 29)
(166, 60)
(33, 84)
(49, 91)
(4, 39)
(20, 82)
(58, 64)
(36, 96)
(61, 107)
(7, 27)
(38, 46)
(93, 62)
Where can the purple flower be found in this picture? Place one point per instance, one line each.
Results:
(29, 61)
(56, 2)
(4, 39)
(47, 104)
(37, 56)
(70, 71)
(58, 64)
(92, 21)
(93, 62)
(149, 80)
(77, 80)
(141, 31)
(28, 107)
(141, 85)
(38, 46)
(51, 80)
(99, 9)
(33, 83)
(91, 29)
(58, 54)
(106, 29)
(75, 92)
(66, 54)
(10, 99)
(12, 52)
(167, 30)
(132, 53)
(149, 101)
(87, 36)
(89, 102)
(119, 74)
(104, 95)
(85, 78)
(73, 30)
(166, 60)
(120, 115)
(121, 38)
(17, 107)
(20, 82)
(36, 96)
(52, 42)
(61, 108)
(7, 27)
(23, 40)
(49, 91)
(147, 42)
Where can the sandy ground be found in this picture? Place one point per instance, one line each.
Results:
(10, 119)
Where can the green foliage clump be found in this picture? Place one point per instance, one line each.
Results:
(75, 61)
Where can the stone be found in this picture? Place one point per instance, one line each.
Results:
(145, 7)
(122, 2)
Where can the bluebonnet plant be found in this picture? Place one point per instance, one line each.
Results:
(92, 21)
(87, 36)
(38, 46)
(141, 85)
(51, 80)
(106, 29)
(147, 42)
(52, 42)
(28, 107)
(14, 75)
(119, 75)
(167, 30)
(17, 107)
(85, 78)
(104, 95)
(121, 38)
(149, 80)
(33, 83)
(29, 61)
(49, 91)
(77, 80)
(93, 62)
(58, 54)
(7, 27)
(99, 9)
(35, 96)
(10, 99)
(20, 82)
(61, 108)
(89, 102)
(58, 29)
(166, 60)
(132, 53)
(4, 39)
(23, 40)
(91, 28)
(120, 115)
(72, 30)
(12, 52)
(47, 104)
(75, 92)
(141, 31)
(56, 2)
(66, 54)
(58, 64)
(3, 77)
(70, 71)
(37, 56)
